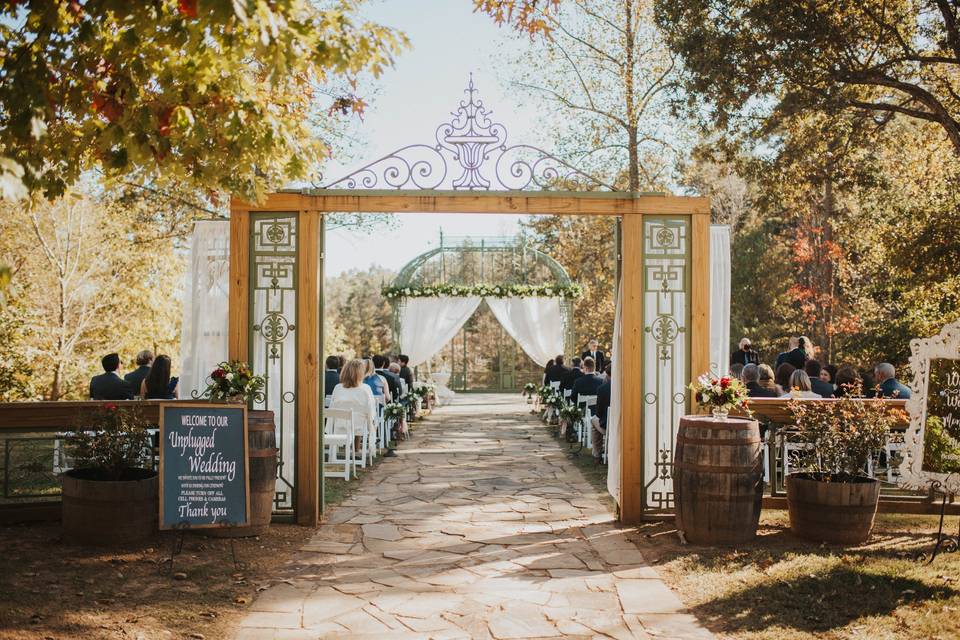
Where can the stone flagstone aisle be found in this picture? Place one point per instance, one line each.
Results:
(480, 528)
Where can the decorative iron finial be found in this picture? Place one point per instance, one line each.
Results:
(478, 149)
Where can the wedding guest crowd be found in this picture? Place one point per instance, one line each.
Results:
(799, 374)
(150, 380)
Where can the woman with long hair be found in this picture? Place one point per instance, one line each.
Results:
(800, 386)
(354, 395)
(546, 370)
(782, 377)
(158, 385)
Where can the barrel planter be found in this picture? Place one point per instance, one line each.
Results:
(262, 460)
(838, 512)
(109, 512)
(718, 479)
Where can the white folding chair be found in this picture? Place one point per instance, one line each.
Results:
(789, 448)
(891, 448)
(383, 436)
(338, 431)
(403, 389)
(585, 429)
(361, 426)
(555, 385)
(327, 400)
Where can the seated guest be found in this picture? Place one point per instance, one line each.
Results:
(818, 386)
(331, 377)
(405, 371)
(158, 385)
(109, 385)
(744, 355)
(765, 380)
(593, 351)
(848, 382)
(829, 374)
(735, 370)
(869, 386)
(546, 369)
(354, 395)
(751, 377)
(800, 386)
(889, 387)
(380, 363)
(394, 368)
(135, 377)
(558, 372)
(607, 371)
(376, 382)
(587, 383)
(799, 356)
(573, 373)
(600, 419)
(782, 377)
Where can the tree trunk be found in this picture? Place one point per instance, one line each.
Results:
(629, 61)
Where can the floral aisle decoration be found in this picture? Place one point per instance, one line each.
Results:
(567, 291)
(720, 394)
(530, 391)
(234, 381)
(397, 412)
(570, 416)
(830, 495)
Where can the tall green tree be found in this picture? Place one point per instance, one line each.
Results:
(750, 60)
(224, 94)
(359, 315)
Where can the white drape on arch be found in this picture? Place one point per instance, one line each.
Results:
(719, 298)
(535, 323)
(427, 324)
(613, 413)
(203, 334)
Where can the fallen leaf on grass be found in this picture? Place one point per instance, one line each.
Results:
(242, 600)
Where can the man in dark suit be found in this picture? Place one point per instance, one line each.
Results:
(588, 383)
(818, 386)
(109, 385)
(593, 351)
(751, 376)
(573, 373)
(331, 377)
(886, 376)
(135, 377)
(600, 419)
(557, 372)
(405, 371)
(393, 381)
(744, 355)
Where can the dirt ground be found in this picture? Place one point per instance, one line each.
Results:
(52, 590)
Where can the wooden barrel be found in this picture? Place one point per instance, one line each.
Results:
(839, 512)
(262, 456)
(718, 479)
(108, 512)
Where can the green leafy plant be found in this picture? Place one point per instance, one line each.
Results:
(234, 381)
(111, 443)
(842, 434)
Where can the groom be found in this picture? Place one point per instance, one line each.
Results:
(593, 351)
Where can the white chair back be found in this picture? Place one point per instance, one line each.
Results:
(555, 385)
(338, 421)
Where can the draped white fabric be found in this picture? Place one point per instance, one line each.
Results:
(203, 337)
(613, 413)
(535, 323)
(427, 324)
(719, 298)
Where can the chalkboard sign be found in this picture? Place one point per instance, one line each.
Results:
(932, 443)
(204, 479)
(941, 450)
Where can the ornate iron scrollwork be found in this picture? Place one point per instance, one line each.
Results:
(470, 153)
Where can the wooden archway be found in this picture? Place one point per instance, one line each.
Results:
(665, 258)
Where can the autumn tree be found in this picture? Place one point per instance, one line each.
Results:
(224, 94)
(358, 312)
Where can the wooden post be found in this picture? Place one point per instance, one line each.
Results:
(239, 312)
(308, 370)
(700, 300)
(631, 373)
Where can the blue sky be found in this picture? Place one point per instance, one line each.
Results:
(449, 42)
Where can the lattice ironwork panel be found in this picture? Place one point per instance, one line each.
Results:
(666, 339)
(273, 312)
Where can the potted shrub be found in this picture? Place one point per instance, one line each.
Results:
(235, 382)
(110, 494)
(830, 497)
(529, 391)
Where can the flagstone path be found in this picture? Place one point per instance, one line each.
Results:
(480, 528)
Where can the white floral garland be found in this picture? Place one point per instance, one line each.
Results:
(568, 291)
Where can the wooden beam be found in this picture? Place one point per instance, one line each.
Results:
(699, 301)
(629, 363)
(308, 369)
(604, 204)
(239, 314)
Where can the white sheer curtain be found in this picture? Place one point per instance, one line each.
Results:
(613, 413)
(203, 336)
(719, 298)
(535, 323)
(427, 324)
